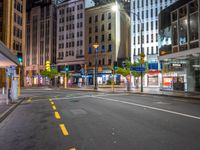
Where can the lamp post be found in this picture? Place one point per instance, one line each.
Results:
(95, 45)
(142, 51)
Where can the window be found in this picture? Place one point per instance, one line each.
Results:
(90, 20)
(109, 26)
(147, 26)
(90, 40)
(151, 25)
(102, 27)
(102, 17)
(96, 18)
(109, 15)
(96, 28)
(109, 48)
(147, 50)
(89, 50)
(109, 37)
(102, 38)
(151, 13)
(147, 38)
(151, 38)
(152, 50)
(96, 38)
(109, 61)
(102, 49)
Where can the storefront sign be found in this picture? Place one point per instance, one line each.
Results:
(176, 65)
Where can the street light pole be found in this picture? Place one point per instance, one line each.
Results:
(142, 51)
(96, 45)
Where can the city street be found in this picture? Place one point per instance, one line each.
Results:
(53, 119)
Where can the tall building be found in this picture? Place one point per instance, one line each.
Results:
(12, 24)
(179, 46)
(144, 14)
(70, 37)
(125, 3)
(40, 39)
(110, 29)
(12, 28)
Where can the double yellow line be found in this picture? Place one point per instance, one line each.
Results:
(57, 116)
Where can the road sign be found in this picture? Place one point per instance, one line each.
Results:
(137, 69)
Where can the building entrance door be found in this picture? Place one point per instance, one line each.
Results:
(197, 80)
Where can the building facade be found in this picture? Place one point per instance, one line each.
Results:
(144, 14)
(12, 28)
(110, 28)
(40, 40)
(179, 46)
(70, 38)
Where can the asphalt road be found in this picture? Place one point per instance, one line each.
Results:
(75, 120)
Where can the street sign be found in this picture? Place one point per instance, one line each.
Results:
(137, 69)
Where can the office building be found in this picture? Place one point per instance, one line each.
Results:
(179, 46)
(70, 38)
(40, 40)
(110, 28)
(144, 14)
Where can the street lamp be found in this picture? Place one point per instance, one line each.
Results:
(95, 45)
(142, 51)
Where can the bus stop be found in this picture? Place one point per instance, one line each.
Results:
(8, 75)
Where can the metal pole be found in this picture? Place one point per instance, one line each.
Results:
(19, 86)
(113, 81)
(95, 86)
(65, 86)
(141, 53)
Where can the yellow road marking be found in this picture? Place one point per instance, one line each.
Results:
(72, 149)
(57, 115)
(54, 107)
(29, 100)
(52, 103)
(64, 130)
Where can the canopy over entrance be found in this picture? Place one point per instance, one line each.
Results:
(7, 59)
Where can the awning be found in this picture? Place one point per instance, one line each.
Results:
(7, 59)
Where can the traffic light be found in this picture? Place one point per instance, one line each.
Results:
(67, 68)
(19, 57)
(115, 65)
(142, 56)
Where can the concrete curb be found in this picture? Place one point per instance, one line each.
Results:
(138, 93)
(11, 109)
(175, 96)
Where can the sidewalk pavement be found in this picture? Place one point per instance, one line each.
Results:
(146, 91)
(5, 109)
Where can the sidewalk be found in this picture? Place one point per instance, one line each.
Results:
(146, 91)
(5, 109)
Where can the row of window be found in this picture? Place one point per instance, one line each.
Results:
(140, 15)
(102, 38)
(70, 9)
(102, 49)
(96, 18)
(18, 19)
(148, 26)
(18, 6)
(147, 2)
(147, 39)
(101, 62)
(149, 52)
(17, 46)
(102, 28)
(17, 32)
(70, 18)
(71, 44)
(71, 26)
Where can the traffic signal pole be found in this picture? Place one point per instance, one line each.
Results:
(19, 86)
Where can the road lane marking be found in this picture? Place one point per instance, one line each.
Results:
(54, 107)
(52, 103)
(64, 130)
(72, 149)
(57, 115)
(149, 107)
